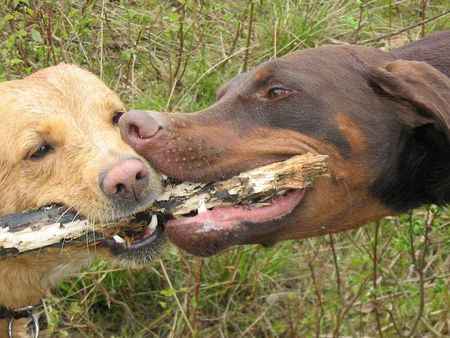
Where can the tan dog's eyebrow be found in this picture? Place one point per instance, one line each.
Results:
(25, 142)
(28, 136)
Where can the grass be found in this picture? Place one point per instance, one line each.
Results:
(387, 279)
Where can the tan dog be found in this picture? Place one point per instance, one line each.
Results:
(60, 144)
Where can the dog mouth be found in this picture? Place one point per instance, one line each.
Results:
(139, 241)
(204, 231)
(207, 232)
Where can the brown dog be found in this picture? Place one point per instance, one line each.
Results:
(383, 121)
(61, 144)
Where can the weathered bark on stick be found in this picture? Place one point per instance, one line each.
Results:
(57, 226)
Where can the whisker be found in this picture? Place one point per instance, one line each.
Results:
(135, 195)
(344, 183)
(75, 217)
(211, 167)
(61, 248)
(65, 212)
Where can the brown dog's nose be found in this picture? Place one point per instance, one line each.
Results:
(137, 126)
(126, 179)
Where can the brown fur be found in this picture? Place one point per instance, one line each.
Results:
(383, 121)
(72, 110)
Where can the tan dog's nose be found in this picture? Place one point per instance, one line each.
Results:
(138, 127)
(126, 179)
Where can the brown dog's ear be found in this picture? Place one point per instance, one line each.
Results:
(421, 85)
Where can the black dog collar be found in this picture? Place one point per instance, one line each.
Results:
(6, 313)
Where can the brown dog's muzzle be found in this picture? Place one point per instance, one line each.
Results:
(181, 146)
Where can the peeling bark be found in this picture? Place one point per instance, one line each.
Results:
(56, 226)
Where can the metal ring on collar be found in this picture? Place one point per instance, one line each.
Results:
(35, 325)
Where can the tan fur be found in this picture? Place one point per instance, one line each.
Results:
(72, 110)
(19, 328)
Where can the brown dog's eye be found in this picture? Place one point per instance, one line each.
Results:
(116, 117)
(277, 93)
(41, 152)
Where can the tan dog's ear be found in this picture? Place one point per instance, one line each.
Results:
(421, 85)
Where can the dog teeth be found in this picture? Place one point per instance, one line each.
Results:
(201, 206)
(151, 227)
(164, 177)
(153, 222)
(281, 193)
(119, 239)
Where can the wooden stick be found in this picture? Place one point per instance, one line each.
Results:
(56, 226)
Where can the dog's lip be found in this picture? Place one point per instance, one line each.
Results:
(118, 248)
(146, 247)
(211, 231)
(220, 228)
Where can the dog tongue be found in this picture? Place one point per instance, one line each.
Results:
(193, 233)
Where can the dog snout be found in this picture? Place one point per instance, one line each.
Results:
(126, 179)
(138, 127)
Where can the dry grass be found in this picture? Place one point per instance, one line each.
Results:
(388, 279)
